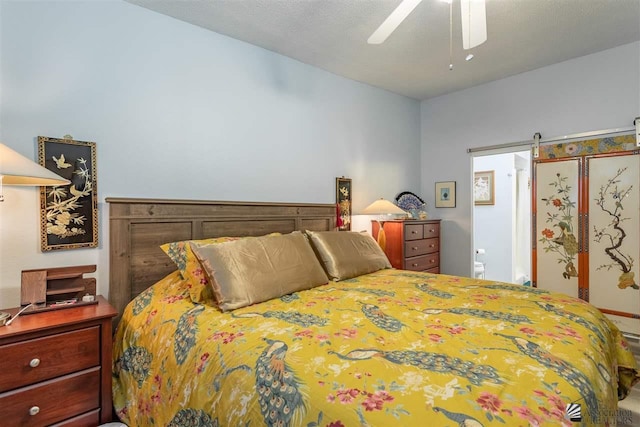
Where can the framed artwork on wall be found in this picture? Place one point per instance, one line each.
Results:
(446, 194)
(69, 213)
(343, 202)
(484, 188)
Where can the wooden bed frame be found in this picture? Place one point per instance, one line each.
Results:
(137, 228)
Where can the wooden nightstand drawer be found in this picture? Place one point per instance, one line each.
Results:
(40, 359)
(420, 247)
(421, 263)
(60, 362)
(52, 401)
(89, 419)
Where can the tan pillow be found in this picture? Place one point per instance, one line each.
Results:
(190, 268)
(244, 272)
(347, 254)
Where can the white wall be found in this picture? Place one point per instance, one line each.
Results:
(599, 91)
(522, 218)
(493, 224)
(181, 112)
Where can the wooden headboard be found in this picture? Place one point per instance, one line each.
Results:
(137, 228)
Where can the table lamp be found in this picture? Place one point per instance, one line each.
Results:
(15, 169)
(382, 207)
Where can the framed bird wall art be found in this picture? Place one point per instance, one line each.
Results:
(69, 213)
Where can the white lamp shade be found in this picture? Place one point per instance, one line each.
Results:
(15, 169)
(382, 207)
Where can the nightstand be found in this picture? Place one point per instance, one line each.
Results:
(412, 244)
(55, 367)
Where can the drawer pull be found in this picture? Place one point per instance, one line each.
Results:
(432, 245)
(432, 230)
(34, 410)
(414, 232)
(414, 264)
(432, 261)
(34, 362)
(415, 248)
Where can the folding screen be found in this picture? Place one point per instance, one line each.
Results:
(586, 225)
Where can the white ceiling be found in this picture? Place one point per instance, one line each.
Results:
(522, 35)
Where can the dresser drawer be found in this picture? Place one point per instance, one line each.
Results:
(431, 230)
(52, 401)
(413, 231)
(420, 247)
(39, 359)
(422, 263)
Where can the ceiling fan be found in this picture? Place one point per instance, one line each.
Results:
(473, 16)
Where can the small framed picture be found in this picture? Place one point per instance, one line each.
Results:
(484, 188)
(446, 194)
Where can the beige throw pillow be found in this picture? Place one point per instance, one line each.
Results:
(347, 254)
(248, 271)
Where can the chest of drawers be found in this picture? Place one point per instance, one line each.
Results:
(56, 367)
(412, 244)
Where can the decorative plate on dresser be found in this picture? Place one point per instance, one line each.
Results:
(56, 367)
(413, 204)
(408, 201)
(413, 244)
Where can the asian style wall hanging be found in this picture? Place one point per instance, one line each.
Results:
(343, 203)
(69, 213)
(586, 224)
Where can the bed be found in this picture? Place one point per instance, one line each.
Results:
(386, 347)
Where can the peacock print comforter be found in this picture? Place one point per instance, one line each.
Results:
(391, 348)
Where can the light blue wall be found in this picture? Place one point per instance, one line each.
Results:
(594, 92)
(181, 112)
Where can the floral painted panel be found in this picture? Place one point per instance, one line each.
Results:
(391, 348)
(557, 226)
(588, 147)
(614, 227)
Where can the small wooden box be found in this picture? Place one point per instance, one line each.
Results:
(47, 288)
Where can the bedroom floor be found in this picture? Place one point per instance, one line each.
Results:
(629, 414)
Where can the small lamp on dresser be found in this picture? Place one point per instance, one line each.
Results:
(383, 208)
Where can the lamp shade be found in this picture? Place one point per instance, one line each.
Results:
(15, 169)
(382, 207)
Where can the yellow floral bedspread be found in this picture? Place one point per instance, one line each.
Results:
(392, 348)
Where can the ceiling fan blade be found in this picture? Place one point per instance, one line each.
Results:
(474, 23)
(392, 21)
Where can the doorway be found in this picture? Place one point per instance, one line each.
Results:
(502, 226)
